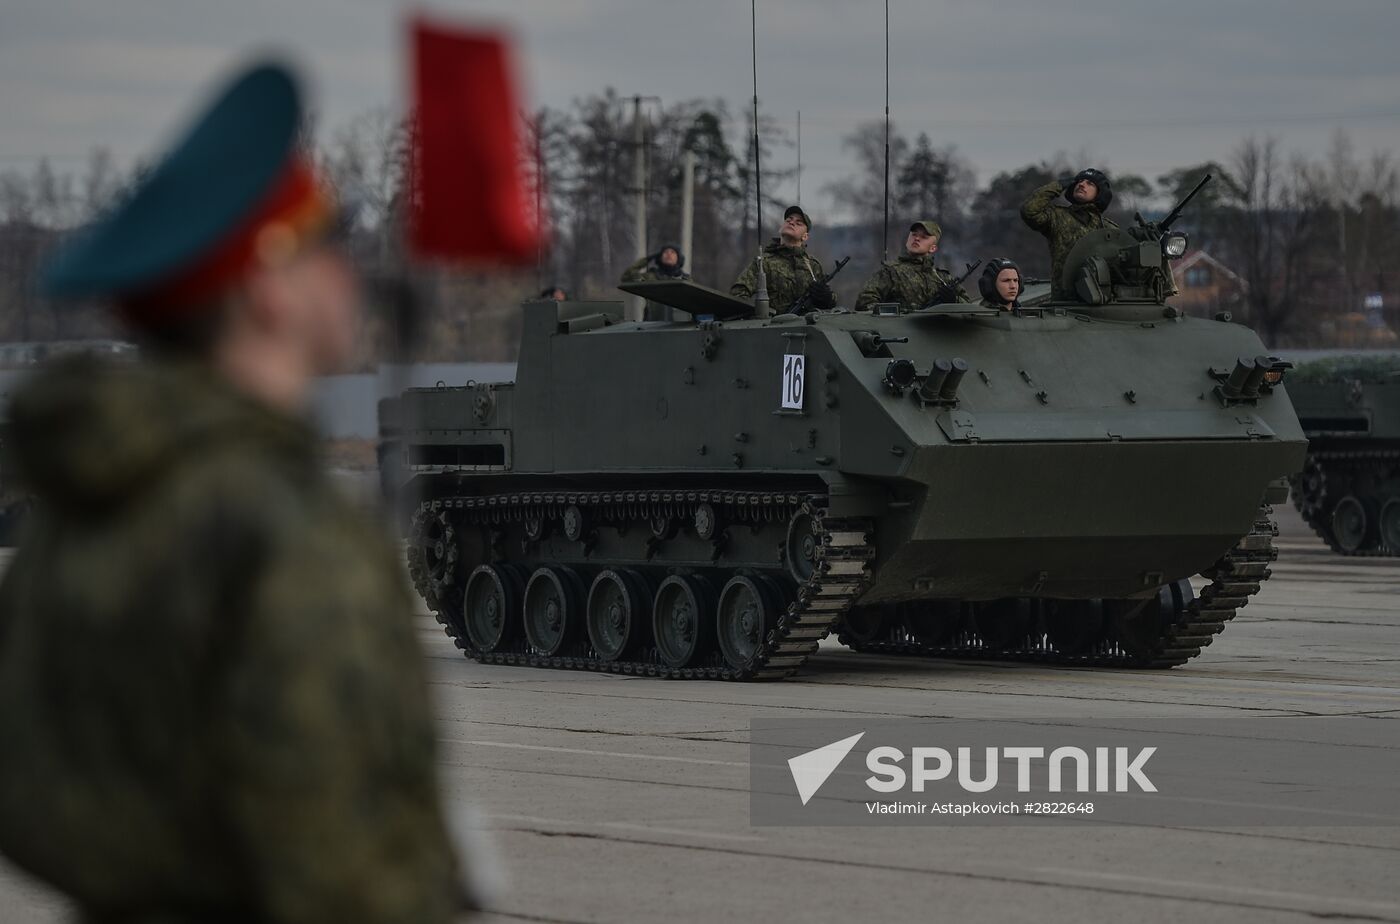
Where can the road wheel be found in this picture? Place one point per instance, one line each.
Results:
(1137, 626)
(748, 608)
(800, 548)
(865, 624)
(492, 607)
(1351, 525)
(553, 609)
(683, 619)
(617, 613)
(1389, 525)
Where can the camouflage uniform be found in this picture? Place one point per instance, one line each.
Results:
(913, 281)
(1062, 226)
(647, 270)
(790, 270)
(998, 306)
(212, 700)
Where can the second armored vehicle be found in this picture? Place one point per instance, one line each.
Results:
(1349, 489)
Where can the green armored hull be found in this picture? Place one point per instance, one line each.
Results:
(1349, 489)
(710, 498)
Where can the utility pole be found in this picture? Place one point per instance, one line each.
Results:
(688, 207)
(539, 200)
(687, 217)
(636, 305)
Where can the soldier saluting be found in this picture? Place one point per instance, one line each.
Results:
(912, 280)
(791, 271)
(211, 697)
(666, 263)
(1089, 194)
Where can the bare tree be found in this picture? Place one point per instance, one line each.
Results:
(16, 201)
(54, 199)
(548, 159)
(938, 184)
(100, 184)
(863, 193)
(769, 178)
(367, 162)
(1269, 228)
(599, 213)
(1358, 200)
(998, 228)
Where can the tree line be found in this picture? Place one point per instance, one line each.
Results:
(1307, 238)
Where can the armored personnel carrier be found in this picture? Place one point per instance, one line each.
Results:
(709, 498)
(1349, 489)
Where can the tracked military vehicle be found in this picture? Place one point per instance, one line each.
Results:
(710, 497)
(1349, 489)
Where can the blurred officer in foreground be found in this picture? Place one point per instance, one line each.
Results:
(912, 280)
(1000, 285)
(212, 702)
(790, 270)
(1089, 195)
(666, 263)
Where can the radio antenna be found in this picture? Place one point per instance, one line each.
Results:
(760, 295)
(757, 167)
(885, 236)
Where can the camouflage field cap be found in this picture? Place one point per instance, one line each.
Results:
(930, 227)
(797, 210)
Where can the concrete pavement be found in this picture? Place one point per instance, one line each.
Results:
(626, 799)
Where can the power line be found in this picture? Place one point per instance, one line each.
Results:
(1132, 123)
(885, 238)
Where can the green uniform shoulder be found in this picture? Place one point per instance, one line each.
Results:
(251, 636)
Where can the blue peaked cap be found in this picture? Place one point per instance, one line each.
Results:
(213, 179)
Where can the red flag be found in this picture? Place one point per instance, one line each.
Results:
(469, 199)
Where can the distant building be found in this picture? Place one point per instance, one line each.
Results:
(1206, 286)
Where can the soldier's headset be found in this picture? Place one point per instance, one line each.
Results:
(987, 282)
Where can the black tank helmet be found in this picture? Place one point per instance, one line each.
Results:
(987, 282)
(1099, 179)
(671, 270)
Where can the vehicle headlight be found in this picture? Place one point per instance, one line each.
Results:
(1174, 244)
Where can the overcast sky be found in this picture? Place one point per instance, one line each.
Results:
(1134, 86)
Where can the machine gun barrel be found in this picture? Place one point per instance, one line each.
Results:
(1175, 213)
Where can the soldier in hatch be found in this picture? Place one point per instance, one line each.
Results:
(791, 271)
(1089, 194)
(1000, 285)
(666, 263)
(912, 280)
